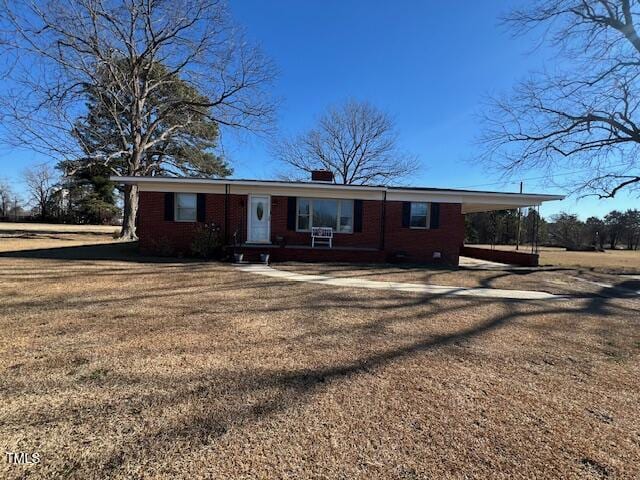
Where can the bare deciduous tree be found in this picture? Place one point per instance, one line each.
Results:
(355, 141)
(6, 194)
(40, 181)
(65, 49)
(583, 115)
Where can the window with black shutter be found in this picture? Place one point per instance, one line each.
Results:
(357, 215)
(201, 214)
(291, 213)
(406, 214)
(169, 207)
(434, 219)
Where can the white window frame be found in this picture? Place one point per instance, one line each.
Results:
(338, 213)
(310, 215)
(427, 216)
(176, 209)
(353, 210)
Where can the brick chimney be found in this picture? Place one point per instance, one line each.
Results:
(321, 176)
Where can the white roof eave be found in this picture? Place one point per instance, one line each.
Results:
(472, 201)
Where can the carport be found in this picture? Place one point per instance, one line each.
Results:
(523, 257)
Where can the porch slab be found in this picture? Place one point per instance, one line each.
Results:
(306, 253)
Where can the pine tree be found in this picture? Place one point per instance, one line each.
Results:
(180, 134)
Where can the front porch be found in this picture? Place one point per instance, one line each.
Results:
(307, 253)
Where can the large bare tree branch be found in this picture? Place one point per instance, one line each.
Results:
(580, 116)
(58, 51)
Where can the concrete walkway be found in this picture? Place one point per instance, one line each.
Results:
(398, 286)
(477, 264)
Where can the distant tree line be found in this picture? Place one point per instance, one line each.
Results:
(11, 205)
(501, 227)
(86, 196)
(616, 230)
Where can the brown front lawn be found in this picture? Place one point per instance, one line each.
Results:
(115, 365)
(556, 280)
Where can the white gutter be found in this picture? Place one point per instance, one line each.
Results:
(469, 193)
(216, 181)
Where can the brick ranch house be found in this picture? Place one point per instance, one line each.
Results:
(369, 223)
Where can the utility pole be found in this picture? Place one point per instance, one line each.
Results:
(519, 223)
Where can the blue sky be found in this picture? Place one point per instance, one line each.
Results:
(429, 64)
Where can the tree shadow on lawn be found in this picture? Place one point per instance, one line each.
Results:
(282, 389)
(632, 285)
(50, 235)
(222, 399)
(125, 251)
(279, 390)
(121, 251)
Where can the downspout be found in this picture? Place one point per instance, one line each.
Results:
(383, 220)
(536, 227)
(226, 214)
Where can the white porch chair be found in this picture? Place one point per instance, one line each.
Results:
(322, 236)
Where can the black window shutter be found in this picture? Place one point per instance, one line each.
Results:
(291, 213)
(434, 221)
(357, 215)
(406, 214)
(168, 207)
(201, 213)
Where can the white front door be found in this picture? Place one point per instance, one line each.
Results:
(259, 218)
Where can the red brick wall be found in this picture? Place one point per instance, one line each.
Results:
(419, 245)
(368, 238)
(502, 256)
(155, 233)
(237, 216)
(402, 244)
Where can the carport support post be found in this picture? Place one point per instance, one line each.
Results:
(534, 241)
(519, 223)
(383, 223)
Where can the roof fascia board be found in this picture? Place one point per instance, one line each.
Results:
(215, 181)
(328, 190)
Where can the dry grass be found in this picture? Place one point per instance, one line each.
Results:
(10, 227)
(25, 236)
(132, 368)
(610, 261)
